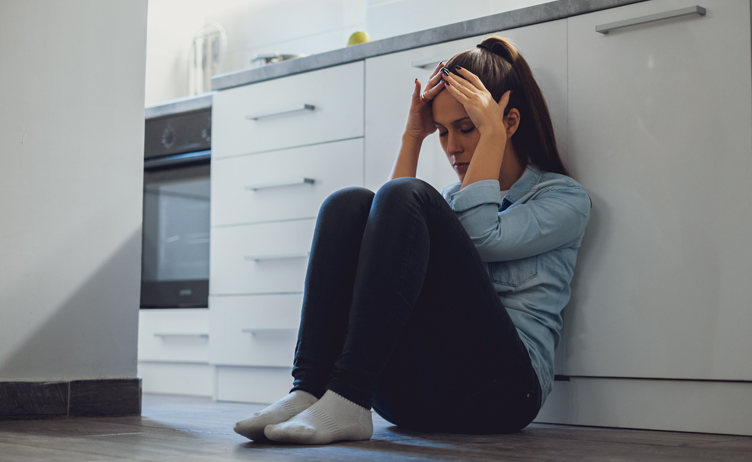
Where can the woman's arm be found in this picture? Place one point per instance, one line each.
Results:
(406, 163)
(419, 125)
(486, 161)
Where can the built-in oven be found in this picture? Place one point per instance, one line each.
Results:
(177, 185)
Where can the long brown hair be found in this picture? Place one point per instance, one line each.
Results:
(502, 68)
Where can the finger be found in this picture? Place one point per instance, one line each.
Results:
(416, 93)
(435, 90)
(460, 85)
(504, 100)
(458, 94)
(474, 79)
(436, 71)
(435, 78)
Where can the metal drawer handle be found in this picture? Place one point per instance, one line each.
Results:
(256, 187)
(295, 108)
(181, 335)
(269, 330)
(278, 256)
(423, 63)
(605, 28)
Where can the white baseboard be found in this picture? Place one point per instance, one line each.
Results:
(676, 405)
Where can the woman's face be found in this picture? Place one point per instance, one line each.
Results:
(457, 133)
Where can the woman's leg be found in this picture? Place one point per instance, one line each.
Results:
(329, 286)
(412, 234)
(326, 301)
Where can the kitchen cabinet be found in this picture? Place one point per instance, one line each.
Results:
(659, 131)
(279, 149)
(173, 351)
(389, 86)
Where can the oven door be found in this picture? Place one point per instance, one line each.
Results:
(175, 259)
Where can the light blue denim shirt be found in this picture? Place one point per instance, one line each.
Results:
(529, 242)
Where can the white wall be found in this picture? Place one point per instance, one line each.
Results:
(71, 173)
(287, 26)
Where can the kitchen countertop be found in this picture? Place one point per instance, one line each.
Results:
(544, 12)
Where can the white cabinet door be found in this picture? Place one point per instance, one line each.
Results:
(660, 136)
(390, 82)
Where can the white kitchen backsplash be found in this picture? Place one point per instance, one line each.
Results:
(286, 26)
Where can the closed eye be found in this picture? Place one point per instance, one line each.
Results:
(463, 131)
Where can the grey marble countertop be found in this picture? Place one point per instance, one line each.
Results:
(544, 12)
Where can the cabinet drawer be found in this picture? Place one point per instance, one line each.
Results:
(281, 185)
(271, 115)
(260, 258)
(180, 335)
(255, 330)
(253, 384)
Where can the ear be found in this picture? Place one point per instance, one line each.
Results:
(512, 122)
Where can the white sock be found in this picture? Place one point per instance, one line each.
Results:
(285, 408)
(332, 418)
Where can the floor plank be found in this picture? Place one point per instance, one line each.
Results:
(179, 428)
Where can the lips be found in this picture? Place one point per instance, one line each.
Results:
(460, 165)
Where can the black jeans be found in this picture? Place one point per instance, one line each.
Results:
(399, 314)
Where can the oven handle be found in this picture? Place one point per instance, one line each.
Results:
(278, 256)
(257, 186)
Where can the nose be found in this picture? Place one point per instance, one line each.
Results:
(453, 144)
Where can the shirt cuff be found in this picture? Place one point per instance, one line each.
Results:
(475, 194)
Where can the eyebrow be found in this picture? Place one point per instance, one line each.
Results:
(453, 123)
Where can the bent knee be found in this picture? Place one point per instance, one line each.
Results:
(406, 187)
(353, 196)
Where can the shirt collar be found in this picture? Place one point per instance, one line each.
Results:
(530, 177)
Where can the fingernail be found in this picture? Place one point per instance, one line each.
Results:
(416, 80)
(445, 71)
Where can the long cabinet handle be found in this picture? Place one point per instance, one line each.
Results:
(269, 330)
(297, 181)
(181, 335)
(278, 256)
(605, 28)
(287, 110)
(423, 63)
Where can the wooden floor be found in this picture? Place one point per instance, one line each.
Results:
(175, 428)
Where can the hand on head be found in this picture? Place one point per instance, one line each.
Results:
(420, 120)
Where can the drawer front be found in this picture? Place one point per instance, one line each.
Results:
(179, 335)
(254, 330)
(253, 384)
(283, 185)
(260, 258)
(271, 115)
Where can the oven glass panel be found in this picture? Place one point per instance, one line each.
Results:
(176, 236)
